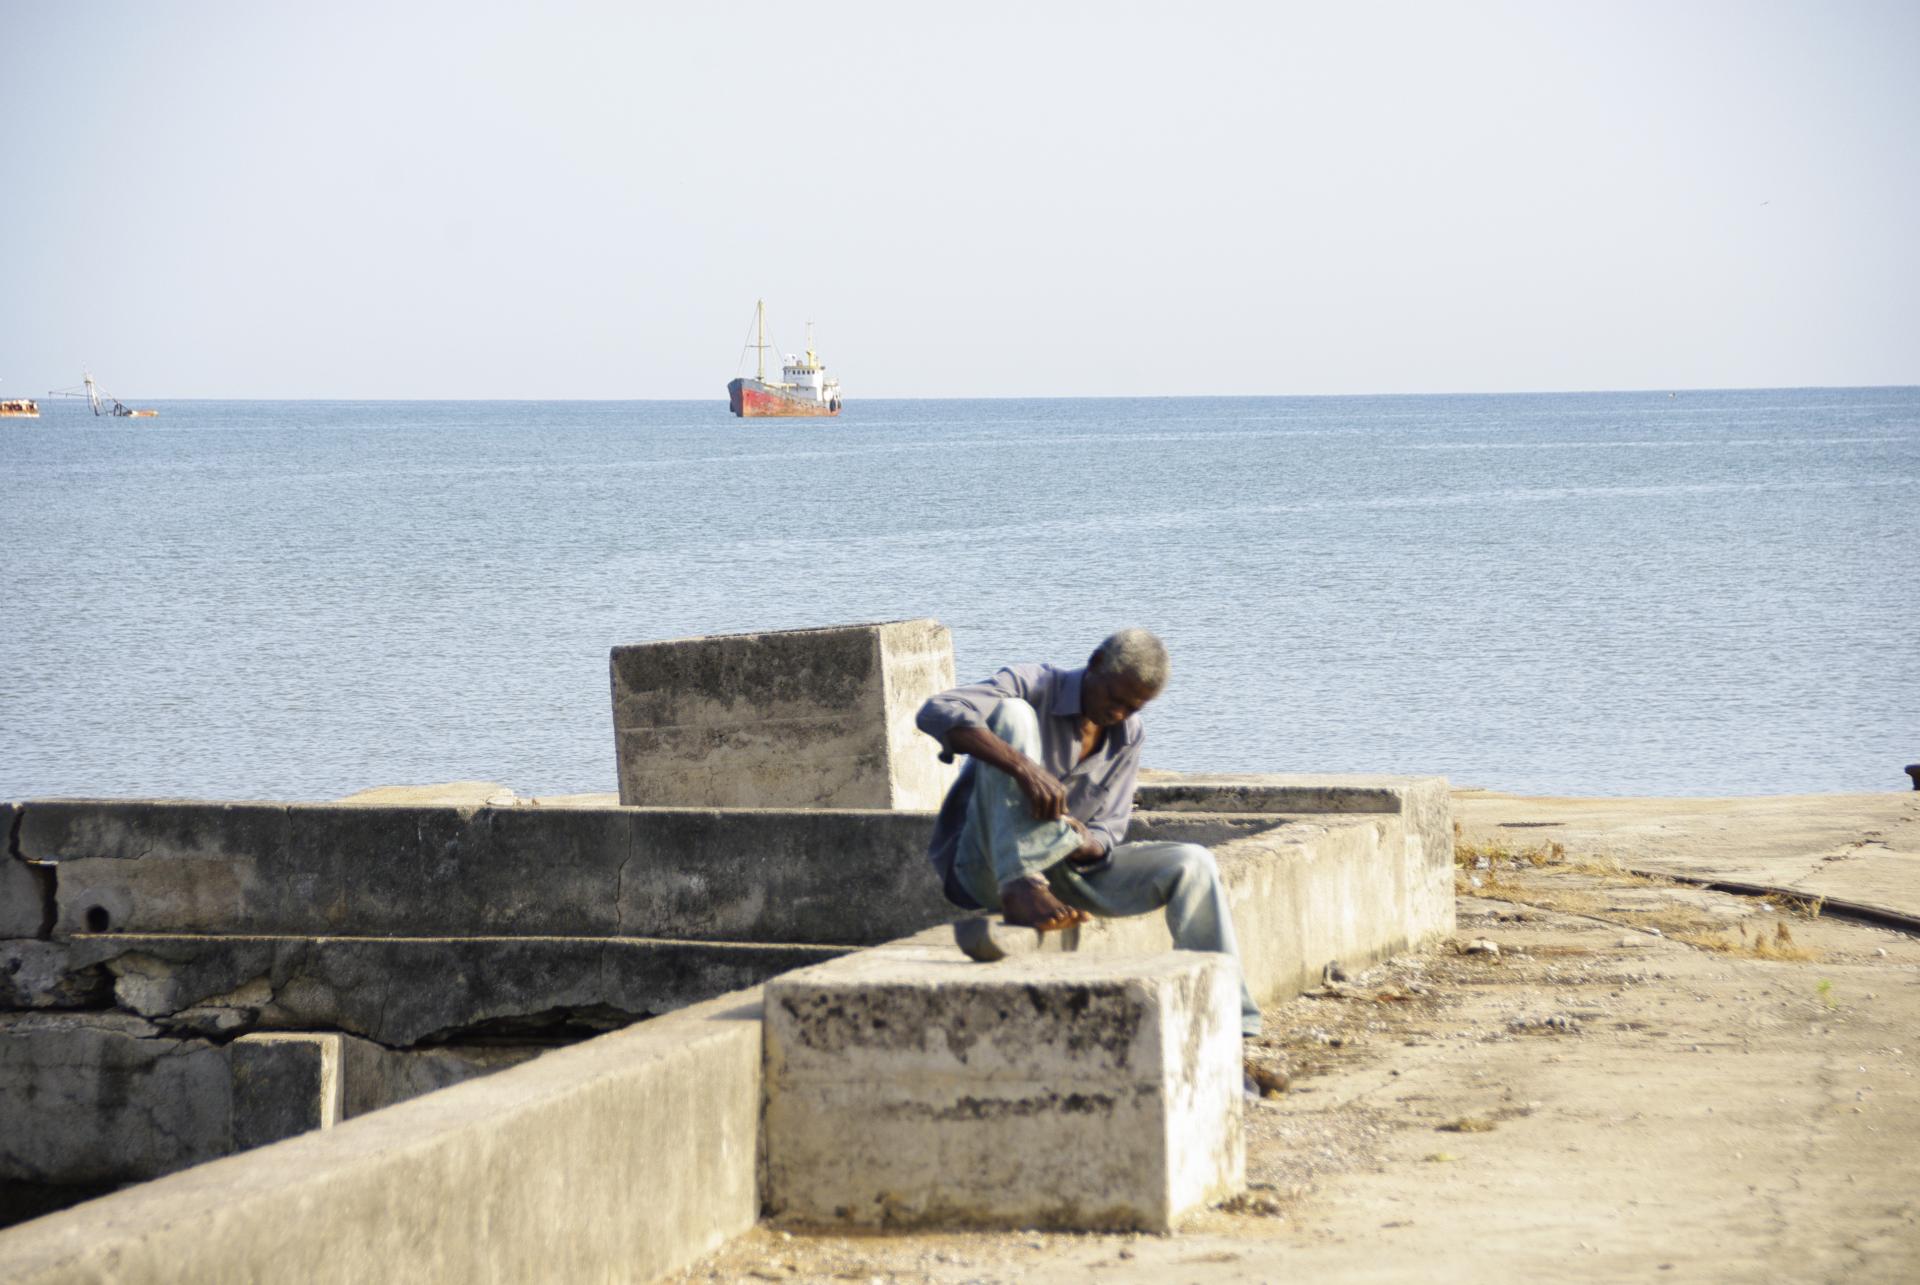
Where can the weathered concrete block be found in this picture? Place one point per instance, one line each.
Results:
(798, 718)
(850, 877)
(907, 1086)
(105, 1097)
(285, 1084)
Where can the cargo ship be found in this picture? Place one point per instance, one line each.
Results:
(804, 387)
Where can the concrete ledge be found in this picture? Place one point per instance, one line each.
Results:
(1309, 892)
(908, 1086)
(298, 870)
(617, 1159)
(396, 991)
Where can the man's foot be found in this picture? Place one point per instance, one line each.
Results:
(1031, 905)
(1261, 1081)
(987, 939)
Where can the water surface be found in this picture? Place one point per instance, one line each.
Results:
(1563, 593)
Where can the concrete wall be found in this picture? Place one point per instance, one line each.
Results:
(806, 718)
(309, 870)
(617, 1159)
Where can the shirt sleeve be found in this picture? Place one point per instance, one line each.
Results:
(968, 706)
(1109, 822)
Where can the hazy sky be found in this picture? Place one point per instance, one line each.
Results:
(584, 200)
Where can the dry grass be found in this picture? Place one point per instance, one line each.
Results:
(1467, 1124)
(1759, 944)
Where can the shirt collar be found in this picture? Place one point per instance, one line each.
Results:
(1066, 704)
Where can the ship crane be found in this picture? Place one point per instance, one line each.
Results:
(102, 402)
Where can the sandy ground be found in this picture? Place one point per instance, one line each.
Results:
(1646, 1082)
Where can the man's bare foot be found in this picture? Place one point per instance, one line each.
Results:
(1031, 905)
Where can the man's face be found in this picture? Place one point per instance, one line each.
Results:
(1109, 698)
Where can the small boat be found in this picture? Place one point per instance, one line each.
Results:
(19, 408)
(804, 387)
(102, 402)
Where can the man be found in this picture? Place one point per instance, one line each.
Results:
(1035, 826)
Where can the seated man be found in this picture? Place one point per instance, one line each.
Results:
(1034, 826)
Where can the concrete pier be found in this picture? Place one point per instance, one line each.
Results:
(418, 993)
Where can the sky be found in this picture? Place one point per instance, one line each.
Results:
(476, 200)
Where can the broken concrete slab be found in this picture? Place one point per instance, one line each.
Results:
(797, 718)
(399, 991)
(908, 1087)
(846, 877)
(47, 974)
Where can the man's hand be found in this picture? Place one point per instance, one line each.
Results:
(1046, 797)
(1090, 850)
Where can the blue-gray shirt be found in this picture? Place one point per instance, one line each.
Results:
(1099, 787)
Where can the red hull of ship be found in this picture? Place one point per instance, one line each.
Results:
(750, 399)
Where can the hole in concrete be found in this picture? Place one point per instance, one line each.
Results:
(98, 920)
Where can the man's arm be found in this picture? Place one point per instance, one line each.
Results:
(958, 720)
(1045, 794)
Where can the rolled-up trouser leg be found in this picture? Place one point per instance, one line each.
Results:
(1180, 876)
(1000, 840)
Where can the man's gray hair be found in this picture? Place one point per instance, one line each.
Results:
(1137, 654)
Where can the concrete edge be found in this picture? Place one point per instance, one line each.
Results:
(466, 1183)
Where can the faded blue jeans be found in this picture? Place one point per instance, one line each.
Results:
(1001, 841)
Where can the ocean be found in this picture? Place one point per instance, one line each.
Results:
(1571, 593)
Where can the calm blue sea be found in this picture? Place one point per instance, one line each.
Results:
(1708, 593)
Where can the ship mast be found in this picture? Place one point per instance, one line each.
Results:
(760, 334)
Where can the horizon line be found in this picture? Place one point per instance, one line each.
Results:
(1039, 397)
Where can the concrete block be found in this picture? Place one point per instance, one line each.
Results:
(408, 991)
(622, 1158)
(797, 719)
(909, 1087)
(285, 1084)
(105, 1097)
(846, 877)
